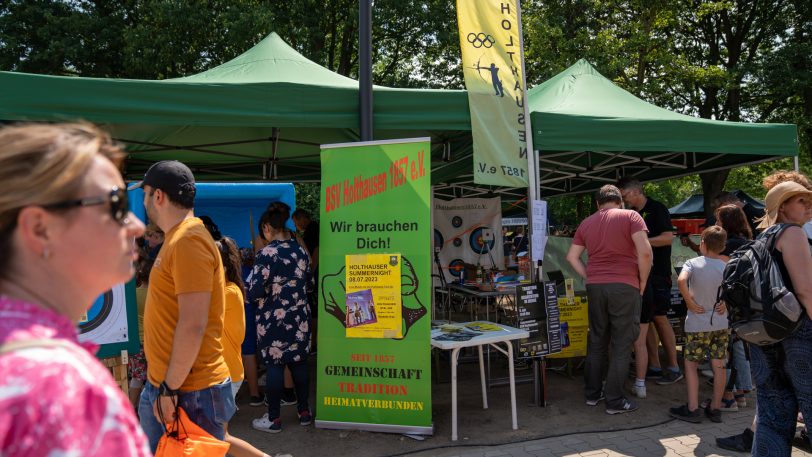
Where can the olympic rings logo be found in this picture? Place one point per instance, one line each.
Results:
(480, 40)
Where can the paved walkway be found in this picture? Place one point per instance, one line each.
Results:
(674, 438)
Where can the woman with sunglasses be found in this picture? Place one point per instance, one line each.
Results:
(66, 237)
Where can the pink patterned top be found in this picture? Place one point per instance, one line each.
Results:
(59, 400)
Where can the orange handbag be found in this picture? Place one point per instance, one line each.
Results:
(184, 438)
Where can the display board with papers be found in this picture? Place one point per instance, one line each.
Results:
(537, 308)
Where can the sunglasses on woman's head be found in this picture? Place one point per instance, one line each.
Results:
(117, 198)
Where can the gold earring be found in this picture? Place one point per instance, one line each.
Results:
(46, 254)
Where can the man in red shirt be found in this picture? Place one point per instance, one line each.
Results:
(616, 241)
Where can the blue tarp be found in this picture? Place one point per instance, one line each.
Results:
(232, 206)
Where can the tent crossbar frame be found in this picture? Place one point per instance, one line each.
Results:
(563, 164)
(562, 175)
(708, 160)
(690, 172)
(450, 163)
(216, 171)
(582, 184)
(167, 147)
(158, 147)
(610, 157)
(598, 177)
(554, 189)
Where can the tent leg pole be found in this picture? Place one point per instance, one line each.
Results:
(365, 68)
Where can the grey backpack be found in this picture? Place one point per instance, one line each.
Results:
(761, 309)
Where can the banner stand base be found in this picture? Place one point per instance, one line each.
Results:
(384, 428)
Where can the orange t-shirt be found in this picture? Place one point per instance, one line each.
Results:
(188, 262)
(234, 331)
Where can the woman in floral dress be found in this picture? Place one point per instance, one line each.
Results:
(278, 287)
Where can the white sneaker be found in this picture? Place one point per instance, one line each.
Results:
(638, 391)
(264, 424)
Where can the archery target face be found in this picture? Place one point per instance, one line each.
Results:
(106, 320)
(455, 267)
(482, 240)
(438, 239)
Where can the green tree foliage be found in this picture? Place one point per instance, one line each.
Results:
(738, 60)
(307, 197)
(415, 41)
(63, 38)
(168, 39)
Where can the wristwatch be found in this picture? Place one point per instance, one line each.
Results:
(165, 391)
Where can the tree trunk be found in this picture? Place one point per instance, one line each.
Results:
(580, 209)
(712, 184)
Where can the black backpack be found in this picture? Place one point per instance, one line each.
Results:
(761, 309)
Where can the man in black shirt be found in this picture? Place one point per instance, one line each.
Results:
(657, 297)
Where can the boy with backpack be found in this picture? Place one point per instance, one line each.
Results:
(706, 325)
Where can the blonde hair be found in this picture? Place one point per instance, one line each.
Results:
(41, 164)
(780, 176)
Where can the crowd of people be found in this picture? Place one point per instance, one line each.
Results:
(68, 235)
(628, 282)
(206, 308)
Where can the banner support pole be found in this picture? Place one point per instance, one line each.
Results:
(365, 69)
(532, 154)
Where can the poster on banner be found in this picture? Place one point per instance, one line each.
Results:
(574, 326)
(468, 230)
(373, 296)
(373, 369)
(493, 69)
(539, 221)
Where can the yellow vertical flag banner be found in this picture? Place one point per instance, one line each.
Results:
(373, 304)
(490, 38)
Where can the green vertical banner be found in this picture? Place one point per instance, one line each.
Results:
(375, 287)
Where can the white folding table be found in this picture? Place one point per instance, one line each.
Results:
(495, 338)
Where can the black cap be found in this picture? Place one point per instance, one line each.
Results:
(171, 176)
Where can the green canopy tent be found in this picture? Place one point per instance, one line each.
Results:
(589, 132)
(263, 115)
(260, 116)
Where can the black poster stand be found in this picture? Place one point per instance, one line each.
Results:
(537, 308)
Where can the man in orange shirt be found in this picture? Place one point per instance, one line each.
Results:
(183, 317)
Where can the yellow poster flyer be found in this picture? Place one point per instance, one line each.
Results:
(574, 326)
(373, 305)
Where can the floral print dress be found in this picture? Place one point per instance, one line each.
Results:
(278, 288)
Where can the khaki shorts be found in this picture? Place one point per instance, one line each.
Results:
(700, 345)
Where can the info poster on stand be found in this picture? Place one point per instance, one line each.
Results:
(574, 325)
(374, 287)
(537, 306)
